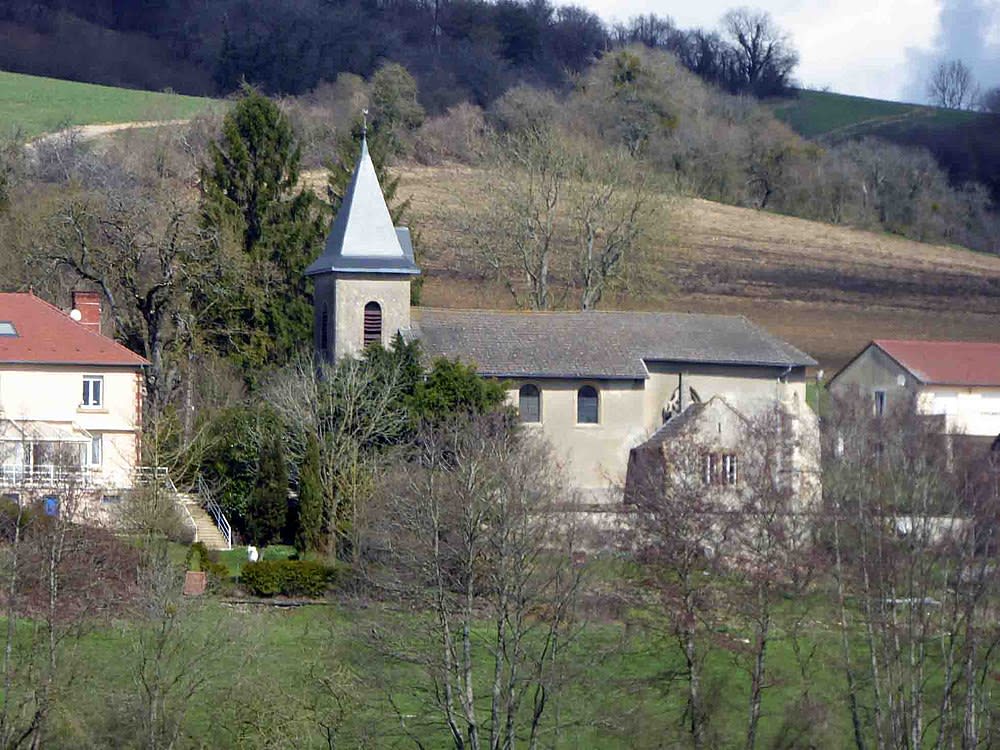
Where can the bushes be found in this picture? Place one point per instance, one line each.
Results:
(287, 577)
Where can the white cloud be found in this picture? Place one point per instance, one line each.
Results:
(852, 46)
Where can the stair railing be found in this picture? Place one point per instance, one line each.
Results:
(147, 475)
(209, 503)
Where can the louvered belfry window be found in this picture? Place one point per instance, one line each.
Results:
(373, 323)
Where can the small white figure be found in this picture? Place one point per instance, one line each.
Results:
(252, 554)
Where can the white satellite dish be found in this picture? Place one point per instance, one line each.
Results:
(76, 315)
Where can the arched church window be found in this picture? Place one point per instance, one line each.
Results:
(324, 331)
(373, 323)
(530, 403)
(586, 405)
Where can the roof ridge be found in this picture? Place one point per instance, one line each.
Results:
(521, 311)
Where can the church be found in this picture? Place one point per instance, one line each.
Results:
(598, 385)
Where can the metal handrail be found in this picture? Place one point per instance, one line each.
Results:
(209, 503)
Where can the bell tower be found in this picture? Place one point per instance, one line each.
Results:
(363, 277)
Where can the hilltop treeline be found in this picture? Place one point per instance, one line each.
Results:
(698, 141)
(459, 50)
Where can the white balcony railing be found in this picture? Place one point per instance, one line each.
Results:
(46, 476)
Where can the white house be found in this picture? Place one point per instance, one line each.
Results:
(596, 384)
(70, 399)
(956, 380)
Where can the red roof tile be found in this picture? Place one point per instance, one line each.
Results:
(947, 362)
(47, 335)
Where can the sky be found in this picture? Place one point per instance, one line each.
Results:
(878, 48)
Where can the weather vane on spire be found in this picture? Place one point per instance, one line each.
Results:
(364, 122)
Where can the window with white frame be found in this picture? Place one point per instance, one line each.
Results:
(96, 449)
(93, 391)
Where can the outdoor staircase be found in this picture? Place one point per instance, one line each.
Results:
(205, 529)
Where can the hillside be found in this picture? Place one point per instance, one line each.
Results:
(37, 105)
(830, 116)
(967, 144)
(827, 289)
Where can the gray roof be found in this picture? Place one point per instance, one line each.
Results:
(363, 239)
(599, 345)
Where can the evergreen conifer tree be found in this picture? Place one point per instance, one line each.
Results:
(258, 307)
(309, 528)
(269, 505)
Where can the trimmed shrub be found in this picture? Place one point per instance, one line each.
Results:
(287, 578)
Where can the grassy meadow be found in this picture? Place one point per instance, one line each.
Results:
(307, 666)
(36, 105)
(822, 114)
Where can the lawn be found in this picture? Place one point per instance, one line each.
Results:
(620, 694)
(36, 105)
(819, 113)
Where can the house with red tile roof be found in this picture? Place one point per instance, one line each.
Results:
(70, 400)
(958, 381)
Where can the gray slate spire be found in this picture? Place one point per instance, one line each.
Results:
(363, 239)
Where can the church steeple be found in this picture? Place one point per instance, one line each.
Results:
(363, 239)
(362, 293)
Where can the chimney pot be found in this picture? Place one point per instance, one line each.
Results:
(89, 305)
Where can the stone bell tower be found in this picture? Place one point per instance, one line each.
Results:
(363, 276)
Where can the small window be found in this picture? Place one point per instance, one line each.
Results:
(97, 450)
(373, 323)
(530, 403)
(720, 469)
(730, 471)
(324, 331)
(710, 468)
(878, 403)
(7, 328)
(93, 391)
(586, 405)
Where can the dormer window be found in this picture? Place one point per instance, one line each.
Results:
(7, 328)
(373, 324)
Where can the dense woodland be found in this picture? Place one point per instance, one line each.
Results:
(459, 50)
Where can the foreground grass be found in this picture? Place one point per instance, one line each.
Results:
(36, 105)
(621, 691)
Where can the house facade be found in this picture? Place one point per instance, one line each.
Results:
(956, 381)
(70, 400)
(596, 384)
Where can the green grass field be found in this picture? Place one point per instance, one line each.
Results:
(35, 105)
(815, 114)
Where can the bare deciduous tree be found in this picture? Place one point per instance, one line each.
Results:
(913, 530)
(353, 409)
(764, 51)
(469, 529)
(561, 213)
(951, 85)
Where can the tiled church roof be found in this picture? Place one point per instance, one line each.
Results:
(599, 345)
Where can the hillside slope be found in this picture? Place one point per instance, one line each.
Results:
(827, 289)
(37, 105)
(967, 144)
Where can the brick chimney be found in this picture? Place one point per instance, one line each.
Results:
(89, 306)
